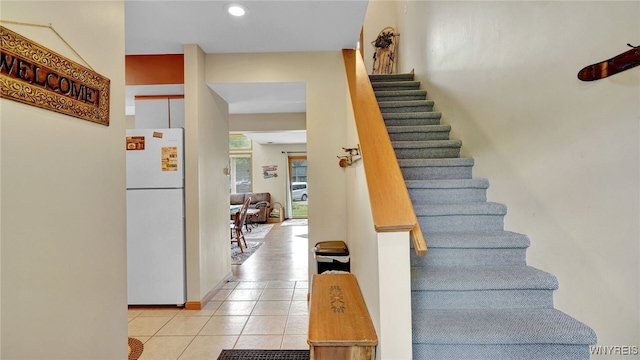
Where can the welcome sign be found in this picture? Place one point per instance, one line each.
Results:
(34, 75)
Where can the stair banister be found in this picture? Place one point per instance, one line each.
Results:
(391, 205)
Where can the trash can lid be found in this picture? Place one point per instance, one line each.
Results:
(331, 248)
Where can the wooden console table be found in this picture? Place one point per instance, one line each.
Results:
(339, 323)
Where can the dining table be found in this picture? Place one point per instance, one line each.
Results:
(251, 213)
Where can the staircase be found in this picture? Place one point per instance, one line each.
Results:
(473, 295)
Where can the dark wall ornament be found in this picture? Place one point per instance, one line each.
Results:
(385, 51)
(34, 75)
(619, 63)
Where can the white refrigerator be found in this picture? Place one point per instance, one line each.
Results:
(155, 217)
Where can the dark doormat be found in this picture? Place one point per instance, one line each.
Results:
(239, 354)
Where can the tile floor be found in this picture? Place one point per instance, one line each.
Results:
(244, 314)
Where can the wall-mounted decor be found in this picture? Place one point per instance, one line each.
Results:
(353, 155)
(386, 45)
(270, 171)
(627, 60)
(34, 75)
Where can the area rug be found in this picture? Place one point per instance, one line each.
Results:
(238, 354)
(295, 222)
(135, 348)
(238, 257)
(258, 232)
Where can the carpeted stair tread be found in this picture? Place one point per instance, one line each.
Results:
(447, 191)
(419, 133)
(436, 168)
(391, 77)
(418, 129)
(429, 144)
(485, 299)
(477, 240)
(493, 248)
(473, 295)
(395, 85)
(412, 118)
(399, 95)
(486, 208)
(501, 352)
(436, 162)
(477, 278)
(409, 103)
(499, 327)
(478, 183)
(412, 115)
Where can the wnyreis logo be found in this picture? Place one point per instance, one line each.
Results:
(618, 350)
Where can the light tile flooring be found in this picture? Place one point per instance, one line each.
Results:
(268, 311)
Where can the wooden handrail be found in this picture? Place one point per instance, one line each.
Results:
(390, 202)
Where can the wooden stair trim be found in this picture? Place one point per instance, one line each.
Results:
(390, 202)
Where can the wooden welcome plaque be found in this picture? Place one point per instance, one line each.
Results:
(34, 75)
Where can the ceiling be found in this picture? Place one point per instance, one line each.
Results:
(164, 27)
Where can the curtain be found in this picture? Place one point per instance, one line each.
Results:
(288, 212)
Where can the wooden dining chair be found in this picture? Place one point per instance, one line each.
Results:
(237, 235)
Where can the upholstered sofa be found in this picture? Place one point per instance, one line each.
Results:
(260, 201)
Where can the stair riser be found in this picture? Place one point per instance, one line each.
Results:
(376, 78)
(427, 153)
(487, 299)
(426, 107)
(470, 257)
(447, 196)
(395, 86)
(400, 97)
(461, 223)
(420, 136)
(437, 172)
(411, 122)
(502, 352)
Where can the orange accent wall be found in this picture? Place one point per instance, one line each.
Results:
(154, 69)
(156, 97)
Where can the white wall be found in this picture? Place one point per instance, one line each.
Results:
(272, 155)
(380, 14)
(323, 73)
(207, 154)
(380, 262)
(63, 200)
(563, 155)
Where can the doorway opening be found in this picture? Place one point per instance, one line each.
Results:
(298, 189)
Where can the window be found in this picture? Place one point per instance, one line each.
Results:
(239, 142)
(239, 164)
(299, 169)
(299, 195)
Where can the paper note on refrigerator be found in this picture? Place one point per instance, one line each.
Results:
(135, 142)
(170, 158)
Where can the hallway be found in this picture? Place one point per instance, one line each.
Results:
(264, 306)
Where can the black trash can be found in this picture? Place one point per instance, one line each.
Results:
(332, 255)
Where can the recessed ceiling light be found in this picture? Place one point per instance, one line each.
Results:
(236, 9)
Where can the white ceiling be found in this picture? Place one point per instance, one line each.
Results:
(164, 27)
